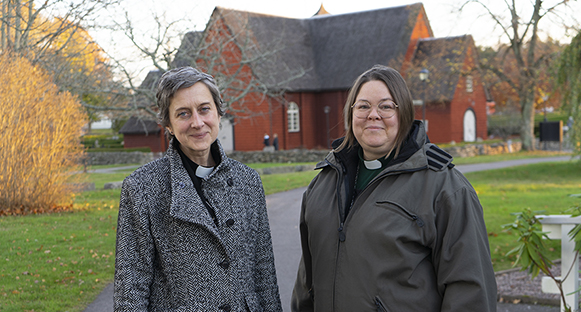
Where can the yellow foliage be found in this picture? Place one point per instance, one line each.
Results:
(58, 36)
(39, 139)
(76, 45)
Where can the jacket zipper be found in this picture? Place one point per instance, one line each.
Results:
(341, 233)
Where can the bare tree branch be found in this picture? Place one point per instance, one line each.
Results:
(523, 38)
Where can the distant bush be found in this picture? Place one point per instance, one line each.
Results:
(504, 126)
(117, 124)
(39, 145)
(508, 125)
(93, 141)
(122, 150)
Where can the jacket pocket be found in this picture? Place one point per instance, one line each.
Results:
(380, 306)
(411, 215)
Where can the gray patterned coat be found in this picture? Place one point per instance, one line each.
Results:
(170, 256)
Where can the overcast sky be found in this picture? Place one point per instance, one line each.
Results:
(443, 15)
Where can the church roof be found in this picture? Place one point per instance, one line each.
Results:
(445, 60)
(325, 52)
(137, 125)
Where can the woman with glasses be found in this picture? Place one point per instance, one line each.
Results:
(388, 224)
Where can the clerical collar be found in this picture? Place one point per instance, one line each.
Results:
(375, 164)
(372, 164)
(202, 172)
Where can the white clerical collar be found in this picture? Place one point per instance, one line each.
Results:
(202, 172)
(372, 164)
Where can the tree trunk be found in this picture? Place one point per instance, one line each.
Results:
(5, 25)
(527, 125)
(17, 24)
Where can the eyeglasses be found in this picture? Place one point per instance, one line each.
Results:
(385, 109)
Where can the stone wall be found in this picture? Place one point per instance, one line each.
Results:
(484, 149)
(286, 156)
(292, 156)
(113, 158)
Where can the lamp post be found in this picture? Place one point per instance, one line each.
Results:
(327, 110)
(424, 73)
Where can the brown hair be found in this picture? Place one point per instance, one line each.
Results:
(401, 96)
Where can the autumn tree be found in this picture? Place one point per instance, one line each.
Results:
(569, 79)
(53, 34)
(503, 93)
(522, 35)
(39, 141)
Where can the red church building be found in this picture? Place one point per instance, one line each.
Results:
(305, 68)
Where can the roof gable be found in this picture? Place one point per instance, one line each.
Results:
(348, 44)
(136, 125)
(445, 59)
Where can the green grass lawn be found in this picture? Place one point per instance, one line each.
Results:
(58, 262)
(61, 262)
(544, 187)
(502, 157)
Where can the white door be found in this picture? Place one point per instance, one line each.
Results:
(469, 126)
(226, 134)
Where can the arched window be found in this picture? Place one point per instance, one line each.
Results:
(293, 117)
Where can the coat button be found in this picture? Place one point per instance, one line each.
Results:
(230, 182)
(225, 307)
(224, 264)
(230, 222)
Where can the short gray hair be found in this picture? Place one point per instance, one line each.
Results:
(179, 78)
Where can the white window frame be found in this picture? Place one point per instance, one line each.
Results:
(469, 84)
(293, 117)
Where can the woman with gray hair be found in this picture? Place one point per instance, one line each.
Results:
(193, 232)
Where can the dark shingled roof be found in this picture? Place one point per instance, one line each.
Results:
(288, 38)
(190, 42)
(348, 44)
(444, 58)
(136, 125)
(325, 52)
(151, 80)
(145, 95)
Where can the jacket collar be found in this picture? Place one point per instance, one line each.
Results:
(185, 204)
(411, 156)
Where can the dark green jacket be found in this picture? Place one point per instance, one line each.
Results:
(414, 239)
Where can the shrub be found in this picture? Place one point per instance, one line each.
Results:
(102, 141)
(504, 126)
(39, 141)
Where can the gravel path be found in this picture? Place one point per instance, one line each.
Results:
(515, 286)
